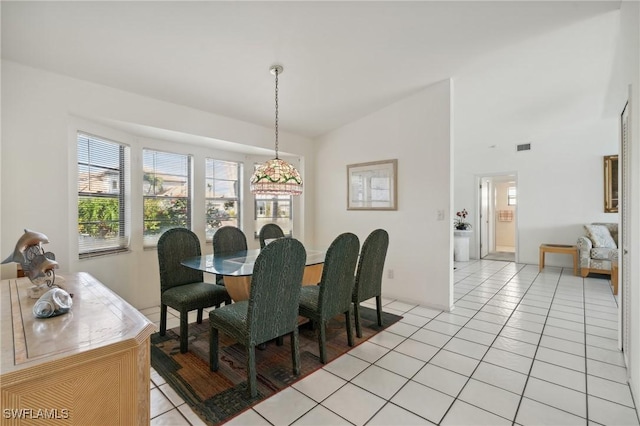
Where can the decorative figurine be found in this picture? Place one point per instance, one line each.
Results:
(37, 264)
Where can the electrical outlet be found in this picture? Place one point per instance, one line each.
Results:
(390, 273)
(440, 214)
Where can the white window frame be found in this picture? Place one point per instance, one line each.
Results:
(511, 196)
(94, 172)
(163, 194)
(271, 198)
(211, 180)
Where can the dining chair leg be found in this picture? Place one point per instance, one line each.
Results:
(280, 340)
(184, 331)
(322, 340)
(213, 349)
(199, 319)
(379, 309)
(356, 313)
(347, 319)
(251, 370)
(163, 319)
(295, 351)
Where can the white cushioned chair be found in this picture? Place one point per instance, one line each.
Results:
(598, 248)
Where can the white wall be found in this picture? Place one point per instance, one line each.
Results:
(560, 181)
(41, 113)
(416, 131)
(560, 185)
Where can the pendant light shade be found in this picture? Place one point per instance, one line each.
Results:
(276, 176)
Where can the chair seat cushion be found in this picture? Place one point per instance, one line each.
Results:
(194, 296)
(231, 319)
(602, 253)
(604, 265)
(309, 297)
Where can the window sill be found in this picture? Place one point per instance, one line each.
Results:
(93, 255)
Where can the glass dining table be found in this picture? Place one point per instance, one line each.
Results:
(237, 268)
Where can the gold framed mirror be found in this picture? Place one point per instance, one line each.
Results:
(611, 184)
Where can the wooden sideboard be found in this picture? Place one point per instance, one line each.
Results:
(89, 366)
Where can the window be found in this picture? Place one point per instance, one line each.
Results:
(511, 196)
(102, 177)
(222, 179)
(166, 188)
(273, 209)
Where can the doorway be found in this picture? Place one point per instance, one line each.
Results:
(498, 195)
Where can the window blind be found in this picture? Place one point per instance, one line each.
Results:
(222, 195)
(166, 187)
(102, 183)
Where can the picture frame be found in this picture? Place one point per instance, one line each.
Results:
(611, 184)
(373, 185)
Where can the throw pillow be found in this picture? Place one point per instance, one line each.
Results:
(600, 236)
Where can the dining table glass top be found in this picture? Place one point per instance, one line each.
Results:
(241, 263)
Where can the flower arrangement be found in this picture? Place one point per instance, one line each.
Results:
(459, 222)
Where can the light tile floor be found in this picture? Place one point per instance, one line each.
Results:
(521, 347)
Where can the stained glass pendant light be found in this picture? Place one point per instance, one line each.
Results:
(276, 176)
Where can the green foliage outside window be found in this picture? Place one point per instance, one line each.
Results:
(98, 217)
(164, 213)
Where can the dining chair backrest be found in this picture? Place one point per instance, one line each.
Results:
(270, 231)
(174, 246)
(371, 265)
(336, 284)
(275, 289)
(229, 239)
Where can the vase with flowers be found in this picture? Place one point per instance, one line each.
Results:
(461, 235)
(460, 223)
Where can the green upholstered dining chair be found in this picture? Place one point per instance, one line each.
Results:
(368, 282)
(183, 288)
(270, 231)
(228, 240)
(271, 310)
(332, 296)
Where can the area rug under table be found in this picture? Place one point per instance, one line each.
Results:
(218, 396)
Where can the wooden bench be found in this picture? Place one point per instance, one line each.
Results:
(562, 249)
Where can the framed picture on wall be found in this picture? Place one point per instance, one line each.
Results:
(372, 186)
(611, 184)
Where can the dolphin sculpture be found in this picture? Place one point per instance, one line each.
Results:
(29, 238)
(39, 267)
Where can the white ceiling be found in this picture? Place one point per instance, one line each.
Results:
(342, 60)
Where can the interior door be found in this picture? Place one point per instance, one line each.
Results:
(625, 203)
(484, 217)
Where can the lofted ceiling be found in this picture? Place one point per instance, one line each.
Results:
(342, 60)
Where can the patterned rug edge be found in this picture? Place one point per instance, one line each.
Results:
(165, 366)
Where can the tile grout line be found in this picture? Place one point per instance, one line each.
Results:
(586, 359)
(451, 337)
(536, 352)
(492, 343)
(442, 347)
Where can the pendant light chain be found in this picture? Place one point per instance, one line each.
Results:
(276, 72)
(276, 176)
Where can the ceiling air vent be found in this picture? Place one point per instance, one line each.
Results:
(524, 147)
